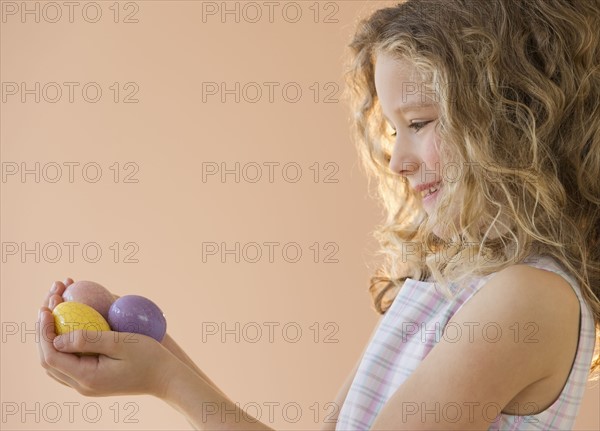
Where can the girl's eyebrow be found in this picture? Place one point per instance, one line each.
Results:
(412, 106)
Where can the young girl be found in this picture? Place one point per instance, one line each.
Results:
(481, 122)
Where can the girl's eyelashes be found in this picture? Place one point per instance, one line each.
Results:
(418, 125)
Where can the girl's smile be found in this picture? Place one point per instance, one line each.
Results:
(430, 193)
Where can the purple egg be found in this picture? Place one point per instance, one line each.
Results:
(134, 313)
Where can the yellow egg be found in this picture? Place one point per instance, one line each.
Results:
(72, 316)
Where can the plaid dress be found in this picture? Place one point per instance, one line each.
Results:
(392, 355)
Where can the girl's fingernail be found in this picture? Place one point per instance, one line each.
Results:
(59, 342)
(54, 287)
(51, 303)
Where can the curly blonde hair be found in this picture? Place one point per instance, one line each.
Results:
(518, 90)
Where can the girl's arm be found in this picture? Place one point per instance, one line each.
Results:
(204, 405)
(126, 364)
(174, 348)
(466, 375)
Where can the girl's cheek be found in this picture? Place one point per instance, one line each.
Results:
(433, 163)
(432, 157)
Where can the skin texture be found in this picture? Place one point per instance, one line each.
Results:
(504, 372)
(499, 373)
(528, 373)
(122, 354)
(471, 370)
(124, 365)
(414, 151)
(413, 114)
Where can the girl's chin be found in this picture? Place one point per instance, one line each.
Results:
(439, 229)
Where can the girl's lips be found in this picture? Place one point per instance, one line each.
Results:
(432, 196)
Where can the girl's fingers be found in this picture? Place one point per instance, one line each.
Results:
(40, 334)
(49, 294)
(85, 341)
(57, 288)
(51, 358)
(54, 301)
(46, 333)
(59, 366)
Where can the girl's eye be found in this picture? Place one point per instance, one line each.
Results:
(419, 125)
(416, 126)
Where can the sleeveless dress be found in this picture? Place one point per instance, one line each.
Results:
(392, 356)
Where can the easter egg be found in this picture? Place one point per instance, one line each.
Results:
(73, 316)
(90, 293)
(134, 313)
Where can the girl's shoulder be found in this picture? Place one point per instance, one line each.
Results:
(538, 282)
(518, 328)
(540, 286)
(541, 279)
(536, 305)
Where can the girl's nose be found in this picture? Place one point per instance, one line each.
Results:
(403, 162)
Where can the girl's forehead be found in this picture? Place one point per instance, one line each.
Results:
(389, 65)
(399, 83)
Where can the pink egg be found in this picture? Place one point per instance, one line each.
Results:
(90, 293)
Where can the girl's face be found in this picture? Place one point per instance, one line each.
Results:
(412, 114)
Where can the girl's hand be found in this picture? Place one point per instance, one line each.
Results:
(126, 364)
(130, 363)
(54, 297)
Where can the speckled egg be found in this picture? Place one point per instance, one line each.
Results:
(90, 293)
(135, 313)
(73, 316)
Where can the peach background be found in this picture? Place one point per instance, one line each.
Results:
(170, 211)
